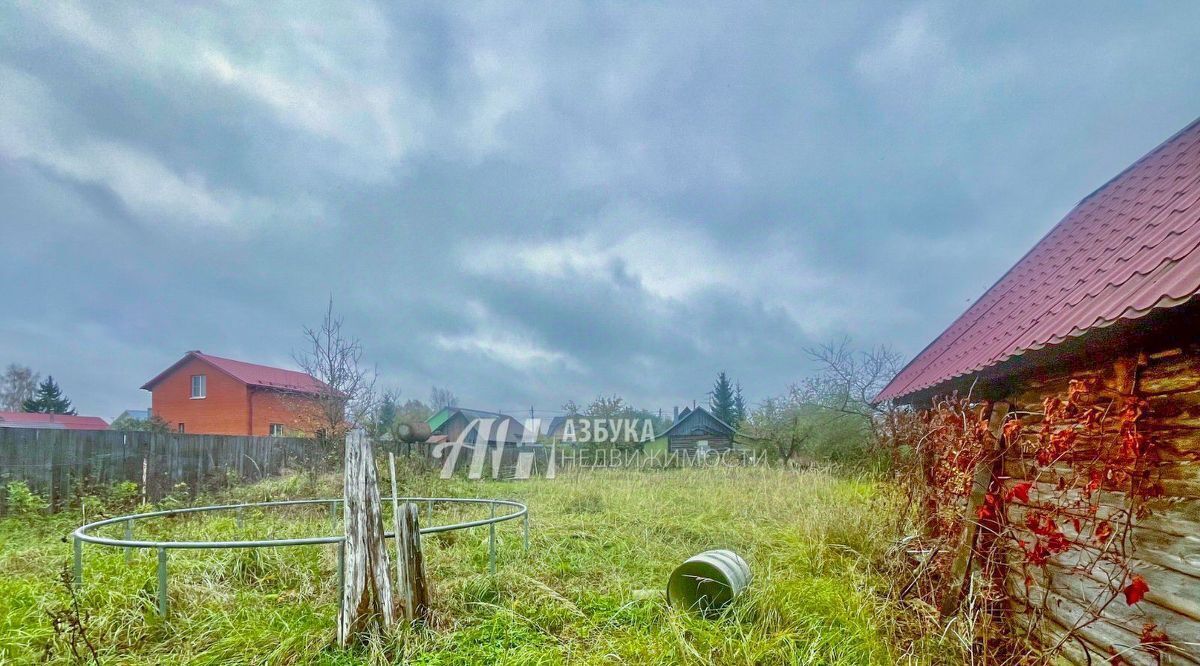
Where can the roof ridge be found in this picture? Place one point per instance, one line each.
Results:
(1116, 239)
(259, 365)
(1140, 160)
(250, 374)
(1063, 297)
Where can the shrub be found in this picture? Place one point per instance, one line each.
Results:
(124, 494)
(177, 498)
(22, 500)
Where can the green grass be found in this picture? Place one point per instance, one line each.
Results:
(603, 544)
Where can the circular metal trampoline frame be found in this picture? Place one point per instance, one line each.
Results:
(82, 534)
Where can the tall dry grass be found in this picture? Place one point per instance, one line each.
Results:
(603, 544)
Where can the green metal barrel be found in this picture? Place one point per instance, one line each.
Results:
(708, 582)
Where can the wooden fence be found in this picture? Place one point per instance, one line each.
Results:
(59, 464)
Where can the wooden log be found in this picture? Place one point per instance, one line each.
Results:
(1070, 600)
(1048, 632)
(1096, 635)
(414, 589)
(1164, 539)
(959, 569)
(1090, 590)
(1169, 375)
(367, 604)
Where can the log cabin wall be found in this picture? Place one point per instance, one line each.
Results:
(689, 443)
(1164, 544)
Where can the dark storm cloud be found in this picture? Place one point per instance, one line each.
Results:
(531, 204)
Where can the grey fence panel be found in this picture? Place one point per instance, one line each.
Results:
(59, 464)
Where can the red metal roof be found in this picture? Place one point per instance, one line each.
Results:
(1127, 249)
(250, 373)
(52, 421)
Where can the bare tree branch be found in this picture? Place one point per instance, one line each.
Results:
(347, 395)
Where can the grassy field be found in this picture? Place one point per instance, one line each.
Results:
(603, 544)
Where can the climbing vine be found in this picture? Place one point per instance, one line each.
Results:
(1053, 523)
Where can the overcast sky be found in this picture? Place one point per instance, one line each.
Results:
(535, 203)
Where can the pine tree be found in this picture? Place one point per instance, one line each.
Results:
(739, 406)
(385, 414)
(48, 399)
(722, 399)
(387, 411)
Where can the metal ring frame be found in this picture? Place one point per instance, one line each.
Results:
(81, 535)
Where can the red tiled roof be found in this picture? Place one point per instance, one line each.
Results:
(54, 421)
(251, 374)
(1127, 249)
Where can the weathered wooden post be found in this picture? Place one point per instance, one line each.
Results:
(982, 480)
(410, 563)
(367, 588)
(414, 592)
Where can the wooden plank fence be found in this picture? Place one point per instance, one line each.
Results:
(58, 464)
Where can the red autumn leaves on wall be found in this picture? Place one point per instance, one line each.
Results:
(1088, 461)
(1019, 492)
(1075, 436)
(1135, 590)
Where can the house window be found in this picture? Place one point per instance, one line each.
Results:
(199, 386)
(277, 430)
(181, 428)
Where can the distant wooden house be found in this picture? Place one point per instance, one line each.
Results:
(698, 428)
(558, 428)
(135, 414)
(452, 422)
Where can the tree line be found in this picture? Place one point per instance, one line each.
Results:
(827, 415)
(615, 407)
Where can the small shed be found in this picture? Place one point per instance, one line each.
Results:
(1102, 306)
(697, 428)
(451, 422)
(135, 414)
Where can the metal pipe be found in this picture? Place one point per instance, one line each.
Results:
(84, 532)
(396, 519)
(492, 544)
(341, 564)
(241, 521)
(77, 579)
(333, 516)
(128, 537)
(162, 583)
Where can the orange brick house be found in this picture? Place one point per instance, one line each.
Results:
(210, 395)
